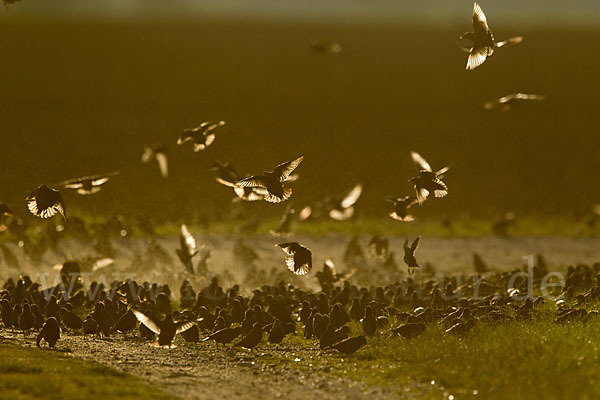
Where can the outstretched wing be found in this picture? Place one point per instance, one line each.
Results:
(352, 196)
(163, 164)
(480, 25)
(284, 170)
(477, 57)
(508, 42)
(183, 326)
(420, 161)
(252, 181)
(415, 244)
(147, 321)
(187, 240)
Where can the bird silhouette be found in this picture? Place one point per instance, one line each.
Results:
(88, 184)
(50, 333)
(428, 181)
(202, 136)
(252, 339)
(409, 254)
(505, 103)
(480, 43)
(273, 181)
(45, 202)
(187, 248)
(298, 259)
(165, 329)
(343, 209)
(401, 206)
(160, 153)
(228, 176)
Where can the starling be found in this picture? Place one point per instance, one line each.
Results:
(87, 184)
(90, 326)
(480, 43)
(50, 332)
(273, 181)
(428, 181)
(252, 339)
(165, 329)
(126, 323)
(507, 102)
(202, 136)
(401, 206)
(409, 254)
(224, 336)
(45, 202)
(6, 313)
(160, 153)
(368, 322)
(70, 319)
(277, 333)
(26, 318)
(192, 335)
(409, 330)
(351, 345)
(298, 259)
(188, 248)
(228, 176)
(343, 209)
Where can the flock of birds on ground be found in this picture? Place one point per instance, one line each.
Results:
(222, 316)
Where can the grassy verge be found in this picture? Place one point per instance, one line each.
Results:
(31, 373)
(536, 359)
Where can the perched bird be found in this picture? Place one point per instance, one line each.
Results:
(165, 329)
(160, 153)
(409, 254)
(428, 181)
(351, 345)
(26, 318)
(228, 176)
(273, 181)
(368, 322)
(252, 339)
(187, 248)
(202, 136)
(50, 333)
(298, 259)
(70, 319)
(224, 336)
(409, 330)
(343, 209)
(507, 102)
(480, 43)
(45, 202)
(401, 206)
(276, 334)
(285, 223)
(87, 184)
(325, 47)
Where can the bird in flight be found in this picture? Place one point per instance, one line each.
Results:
(273, 181)
(87, 184)
(202, 136)
(228, 176)
(343, 209)
(505, 103)
(409, 254)
(298, 259)
(401, 206)
(45, 202)
(480, 43)
(428, 181)
(188, 248)
(165, 329)
(6, 214)
(324, 47)
(160, 152)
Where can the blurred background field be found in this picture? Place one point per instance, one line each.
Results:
(83, 96)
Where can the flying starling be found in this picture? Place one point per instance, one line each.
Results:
(343, 209)
(480, 43)
(428, 181)
(202, 136)
(160, 153)
(409, 254)
(298, 259)
(87, 184)
(401, 206)
(188, 248)
(46, 202)
(507, 102)
(273, 181)
(228, 176)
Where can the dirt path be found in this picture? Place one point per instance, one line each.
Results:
(201, 371)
